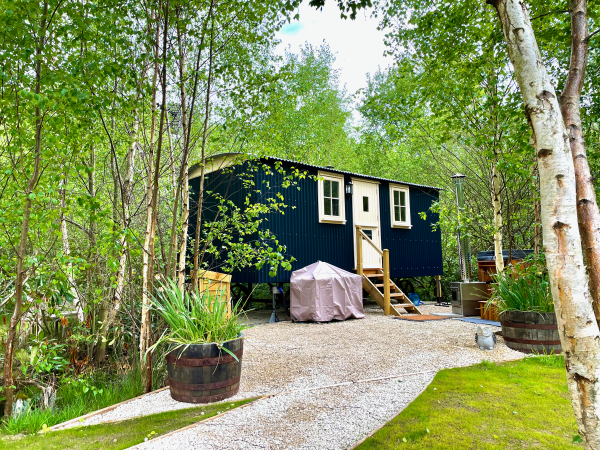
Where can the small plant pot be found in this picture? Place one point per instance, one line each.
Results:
(204, 373)
(530, 332)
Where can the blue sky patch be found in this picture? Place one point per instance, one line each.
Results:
(291, 29)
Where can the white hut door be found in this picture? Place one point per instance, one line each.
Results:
(365, 211)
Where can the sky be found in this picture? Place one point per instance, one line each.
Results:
(357, 44)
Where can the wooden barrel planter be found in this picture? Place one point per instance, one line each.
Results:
(204, 373)
(528, 332)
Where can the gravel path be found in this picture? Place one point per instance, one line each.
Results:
(324, 419)
(283, 357)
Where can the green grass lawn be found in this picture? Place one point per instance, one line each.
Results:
(513, 405)
(119, 435)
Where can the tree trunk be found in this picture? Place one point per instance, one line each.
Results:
(106, 306)
(203, 161)
(170, 266)
(185, 222)
(536, 212)
(11, 335)
(587, 208)
(99, 350)
(185, 188)
(536, 227)
(146, 276)
(577, 325)
(64, 232)
(183, 168)
(497, 219)
(154, 200)
(127, 191)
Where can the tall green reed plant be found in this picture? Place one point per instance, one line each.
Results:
(194, 318)
(524, 287)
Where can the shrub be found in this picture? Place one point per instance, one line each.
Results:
(523, 287)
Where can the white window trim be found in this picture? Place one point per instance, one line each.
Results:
(395, 223)
(341, 219)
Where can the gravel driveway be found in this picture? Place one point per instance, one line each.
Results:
(292, 359)
(286, 357)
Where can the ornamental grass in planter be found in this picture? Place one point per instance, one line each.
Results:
(204, 343)
(522, 296)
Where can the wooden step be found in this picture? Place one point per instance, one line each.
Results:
(377, 295)
(373, 275)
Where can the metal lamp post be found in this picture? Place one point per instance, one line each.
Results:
(464, 251)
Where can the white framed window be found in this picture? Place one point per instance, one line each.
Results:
(400, 206)
(331, 198)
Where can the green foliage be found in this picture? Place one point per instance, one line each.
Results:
(308, 115)
(44, 358)
(75, 397)
(524, 287)
(194, 318)
(122, 435)
(513, 405)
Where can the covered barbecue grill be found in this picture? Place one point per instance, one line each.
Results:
(322, 292)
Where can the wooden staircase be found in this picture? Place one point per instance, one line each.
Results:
(373, 283)
(374, 279)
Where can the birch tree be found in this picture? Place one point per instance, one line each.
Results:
(497, 219)
(587, 207)
(145, 329)
(577, 325)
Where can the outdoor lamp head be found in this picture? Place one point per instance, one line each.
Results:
(349, 188)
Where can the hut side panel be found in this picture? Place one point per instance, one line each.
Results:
(227, 184)
(299, 229)
(414, 252)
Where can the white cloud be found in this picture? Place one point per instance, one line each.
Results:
(357, 44)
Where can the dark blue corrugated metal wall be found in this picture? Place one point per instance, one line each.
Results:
(299, 229)
(228, 184)
(414, 252)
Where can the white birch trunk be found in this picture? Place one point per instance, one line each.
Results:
(577, 325)
(145, 322)
(127, 189)
(497, 219)
(64, 232)
(146, 258)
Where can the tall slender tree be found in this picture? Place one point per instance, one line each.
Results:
(577, 325)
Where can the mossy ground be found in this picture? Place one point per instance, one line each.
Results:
(513, 405)
(119, 435)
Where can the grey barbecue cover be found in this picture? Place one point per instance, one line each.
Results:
(322, 292)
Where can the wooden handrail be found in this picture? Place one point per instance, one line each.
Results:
(386, 283)
(360, 235)
(370, 241)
